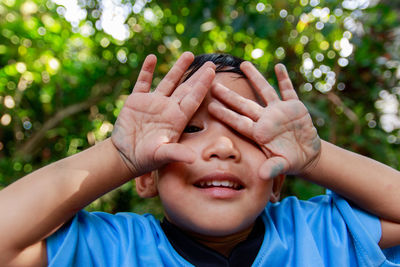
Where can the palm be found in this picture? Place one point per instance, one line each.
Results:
(150, 123)
(285, 129)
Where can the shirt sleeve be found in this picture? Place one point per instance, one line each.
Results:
(103, 239)
(98, 239)
(320, 229)
(366, 232)
(364, 229)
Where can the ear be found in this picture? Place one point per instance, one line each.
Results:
(276, 188)
(146, 185)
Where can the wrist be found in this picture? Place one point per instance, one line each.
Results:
(125, 166)
(312, 167)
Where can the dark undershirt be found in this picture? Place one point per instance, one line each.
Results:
(198, 254)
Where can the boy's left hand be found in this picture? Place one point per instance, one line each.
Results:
(283, 129)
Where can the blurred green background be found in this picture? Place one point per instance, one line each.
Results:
(67, 66)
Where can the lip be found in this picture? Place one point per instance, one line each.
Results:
(220, 192)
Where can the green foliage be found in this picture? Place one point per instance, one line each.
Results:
(63, 82)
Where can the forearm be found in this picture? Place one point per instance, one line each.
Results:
(36, 205)
(371, 185)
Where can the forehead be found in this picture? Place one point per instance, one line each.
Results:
(236, 83)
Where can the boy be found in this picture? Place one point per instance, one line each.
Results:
(215, 148)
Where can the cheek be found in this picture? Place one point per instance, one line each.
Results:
(254, 159)
(174, 184)
(253, 155)
(174, 192)
(264, 190)
(171, 176)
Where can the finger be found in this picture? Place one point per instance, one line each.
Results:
(193, 79)
(195, 94)
(143, 83)
(174, 152)
(189, 85)
(285, 84)
(171, 80)
(257, 80)
(239, 123)
(272, 167)
(240, 104)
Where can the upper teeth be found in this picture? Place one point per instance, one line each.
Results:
(220, 183)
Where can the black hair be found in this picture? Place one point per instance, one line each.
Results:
(224, 63)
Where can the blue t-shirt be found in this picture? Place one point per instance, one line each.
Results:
(323, 231)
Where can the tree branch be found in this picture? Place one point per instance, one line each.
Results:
(29, 145)
(335, 99)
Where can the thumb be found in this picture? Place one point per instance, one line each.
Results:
(272, 167)
(174, 152)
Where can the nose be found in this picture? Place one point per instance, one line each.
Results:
(221, 148)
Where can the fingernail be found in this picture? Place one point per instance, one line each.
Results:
(187, 53)
(277, 169)
(151, 55)
(212, 65)
(264, 177)
(245, 63)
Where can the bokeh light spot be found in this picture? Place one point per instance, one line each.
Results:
(257, 53)
(5, 119)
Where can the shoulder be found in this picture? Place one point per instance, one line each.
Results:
(328, 214)
(292, 206)
(119, 219)
(330, 208)
(104, 225)
(92, 236)
(329, 225)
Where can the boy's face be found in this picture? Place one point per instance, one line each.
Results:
(220, 193)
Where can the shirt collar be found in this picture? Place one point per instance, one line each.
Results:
(198, 254)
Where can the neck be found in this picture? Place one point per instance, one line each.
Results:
(225, 244)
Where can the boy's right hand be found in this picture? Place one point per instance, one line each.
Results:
(150, 123)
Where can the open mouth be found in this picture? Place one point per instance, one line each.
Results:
(219, 183)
